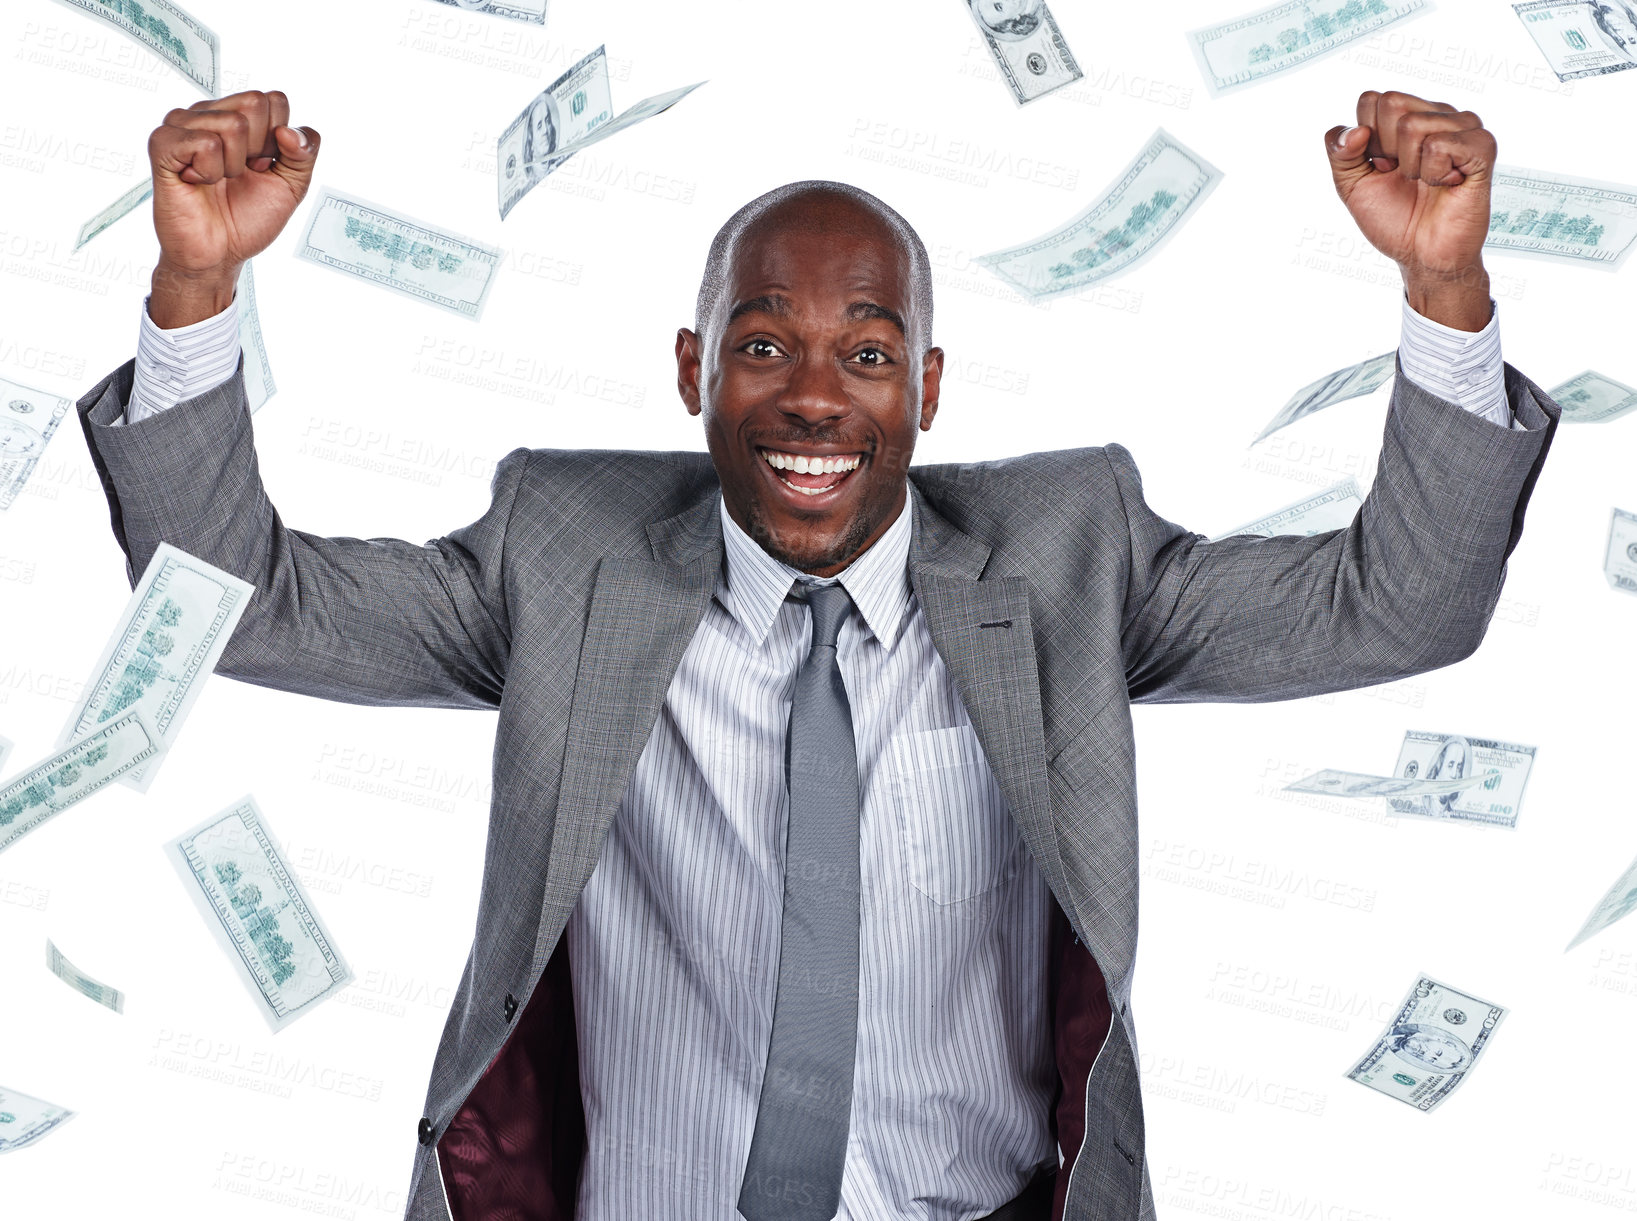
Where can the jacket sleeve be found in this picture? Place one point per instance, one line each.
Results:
(1409, 586)
(365, 621)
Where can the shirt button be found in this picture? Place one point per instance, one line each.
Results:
(510, 1006)
(424, 1133)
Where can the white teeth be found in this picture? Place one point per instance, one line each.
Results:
(804, 465)
(801, 465)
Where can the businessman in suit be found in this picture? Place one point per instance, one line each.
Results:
(811, 877)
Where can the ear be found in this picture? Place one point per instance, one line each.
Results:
(932, 374)
(687, 369)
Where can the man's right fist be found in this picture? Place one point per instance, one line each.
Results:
(228, 174)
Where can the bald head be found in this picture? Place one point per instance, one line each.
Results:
(823, 207)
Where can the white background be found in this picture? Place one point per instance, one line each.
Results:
(1276, 936)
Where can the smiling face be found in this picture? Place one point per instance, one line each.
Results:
(812, 376)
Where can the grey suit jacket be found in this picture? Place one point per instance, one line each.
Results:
(568, 605)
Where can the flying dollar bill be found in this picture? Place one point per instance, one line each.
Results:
(1332, 509)
(1582, 37)
(24, 1120)
(260, 913)
(407, 256)
(1333, 388)
(567, 116)
(1360, 784)
(1620, 562)
(1619, 903)
(1574, 220)
(258, 374)
(73, 774)
(28, 421)
(1027, 45)
(121, 207)
(1283, 36)
(182, 41)
(1430, 1045)
(1503, 768)
(111, 998)
(1125, 225)
(167, 642)
(1592, 398)
(518, 10)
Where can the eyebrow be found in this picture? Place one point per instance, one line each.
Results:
(778, 306)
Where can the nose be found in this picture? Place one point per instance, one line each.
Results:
(815, 391)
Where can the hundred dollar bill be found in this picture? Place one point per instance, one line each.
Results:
(568, 115)
(1431, 1044)
(73, 774)
(1285, 36)
(1027, 45)
(1575, 220)
(1620, 562)
(1125, 225)
(182, 41)
(1358, 784)
(1619, 903)
(258, 374)
(517, 10)
(23, 1120)
(121, 207)
(405, 255)
(1582, 37)
(28, 420)
(260, 913)
(1331, 509)
(1331, 389)
(166, 643)
(82, 983)
(1502, 767)
(1592, 398)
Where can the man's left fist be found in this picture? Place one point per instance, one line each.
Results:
(1416, 176)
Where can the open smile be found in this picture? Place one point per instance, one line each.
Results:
(812, 479)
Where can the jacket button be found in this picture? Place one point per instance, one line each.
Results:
(511, 1006)
(424, 1133)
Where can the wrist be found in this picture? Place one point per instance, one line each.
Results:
(1459, 300)
(183, 296)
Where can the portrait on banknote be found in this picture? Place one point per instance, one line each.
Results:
(1009, 18)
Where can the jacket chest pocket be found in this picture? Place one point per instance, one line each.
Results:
(958, 836)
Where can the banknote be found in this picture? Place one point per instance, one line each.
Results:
(1361, 784)
(1332, 509)
(111, 998)
(1283, 36)
(1582, 37)
(166, 643)
(28, 421)
(1331, 389)
(259, 912)
(1575, 220)
(518, 10)
(258, 374)
(1127, 223)
(1592, 398)
(1619, 903)
(1027, 45)
(73, 774)
(23, 1120)
(1432, 1042)
(1503, 768)
(407, 256)
(121, 207)
(1620, 561)
(182, 41)
(568, 115)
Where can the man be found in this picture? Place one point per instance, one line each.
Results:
(810, 886)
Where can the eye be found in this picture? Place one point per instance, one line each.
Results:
(761, 347)
(873, 358)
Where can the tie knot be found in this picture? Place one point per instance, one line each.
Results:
(829, 605)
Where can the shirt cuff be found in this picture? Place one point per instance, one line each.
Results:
(179, 364)
(1464, 367)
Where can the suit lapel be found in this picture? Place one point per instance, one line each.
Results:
(993, 667)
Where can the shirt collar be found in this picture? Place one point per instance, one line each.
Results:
(754, 584)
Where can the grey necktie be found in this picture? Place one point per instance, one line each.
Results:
(800, 1140)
